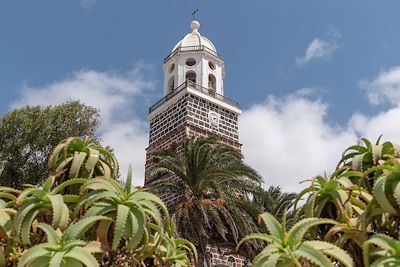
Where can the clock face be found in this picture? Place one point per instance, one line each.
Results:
(213, 118)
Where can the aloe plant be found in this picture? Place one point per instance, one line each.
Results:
(386, 251)
(129, 207)
(387, 187)
(45, 201)
(75, 157)
(287, 248)
(335, 197)
(64, 248)
(163, 249)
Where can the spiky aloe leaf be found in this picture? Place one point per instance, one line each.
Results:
(258, 236)
(76, 165)
(296, 233)
(32, 254)
(26, 227)
(316, 257)
(100, 208)
(387, 243)
(57, 203)
(332, 251)
(102, 183)
(21, 214)
(8, 196)
(67, 183)
(93, 247)
(48, 183)
(54, 155)
(273, 226)
(376, 153)
(388, 261)
(357, 162)
(52, 236)
(265, 260)
(122, 215)
(56, 259)
(145, 197)
(69, 262)
(396, 194)
(71, 198)
(128, 182)
(83, 256)
(380, 195)
(137, 227)
(77, 229)
(91, 161)
(107, 172)
(150, 209)
(62, 166)
(90, 198)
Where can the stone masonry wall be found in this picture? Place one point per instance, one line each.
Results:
(185, 118)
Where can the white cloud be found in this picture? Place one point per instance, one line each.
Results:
(88, 3)
(289, 139)
(320, 49)
(385, 88)
(115, 95)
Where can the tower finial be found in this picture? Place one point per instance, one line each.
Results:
(195, 25)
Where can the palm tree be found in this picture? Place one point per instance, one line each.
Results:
(213, 185)
(287, 248)
(276, 202)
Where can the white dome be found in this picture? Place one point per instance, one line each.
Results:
(195, 39)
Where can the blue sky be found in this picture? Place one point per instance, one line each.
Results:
(311, 76)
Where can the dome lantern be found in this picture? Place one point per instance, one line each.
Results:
(194, 58)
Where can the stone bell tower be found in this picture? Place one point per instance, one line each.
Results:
(194, 103)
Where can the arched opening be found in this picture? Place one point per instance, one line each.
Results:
(212, 83)
(171, 84)
(191, 76)
(231, 261)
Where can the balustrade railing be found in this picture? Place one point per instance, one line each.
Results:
(187, 83)
(192, 49)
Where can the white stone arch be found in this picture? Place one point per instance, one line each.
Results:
(212, 82)
(191, 76)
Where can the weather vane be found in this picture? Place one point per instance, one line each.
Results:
(194, 14)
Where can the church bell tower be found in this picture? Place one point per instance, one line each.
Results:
(193, 103)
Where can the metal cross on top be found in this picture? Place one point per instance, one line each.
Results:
(194, 14)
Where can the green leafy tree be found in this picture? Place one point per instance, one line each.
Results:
(28, 134)
(287, 248)
(213, 184)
